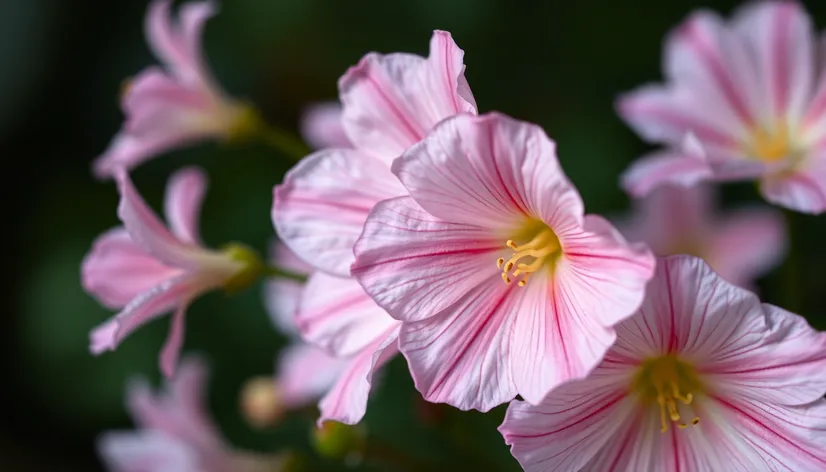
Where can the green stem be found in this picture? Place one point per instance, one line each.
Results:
(273, 271)
(284, 141)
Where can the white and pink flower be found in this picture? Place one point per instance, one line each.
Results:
(175, 433)
(389, 103)
(145, 271)
(322, 126)
(174, 106)
(753, 92)
(703, 378)
(503, 285)
(740, 245)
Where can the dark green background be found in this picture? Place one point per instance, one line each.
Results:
(557, 63)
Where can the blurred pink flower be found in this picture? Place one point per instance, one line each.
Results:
(704, 378)
(322, 126)
(146, 271)
(389, 103)
(175, 106)
(503, 285)
(753, 92)
(175, 432)
(740, 245)
(304, 372)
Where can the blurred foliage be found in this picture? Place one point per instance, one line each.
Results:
(556, 63)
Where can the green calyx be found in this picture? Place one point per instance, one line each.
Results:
(252, 268)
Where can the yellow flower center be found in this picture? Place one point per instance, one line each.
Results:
(539, 250)
(772, 144)
(672, 385)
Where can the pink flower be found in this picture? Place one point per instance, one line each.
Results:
(175, 106)
(753, 93)
(175, 433)
(145, 270)
(322, 126)
(740, 246)
(703, 378)
(502, 283)
(304, 372)
(389, 103)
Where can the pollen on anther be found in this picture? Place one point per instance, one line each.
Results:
(695, 421)
(522, 283)
(499, 262)
(505, 278)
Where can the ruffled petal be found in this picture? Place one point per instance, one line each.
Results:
(337, 315)
(490, 171)
(392, 101)
(463, 356)
(117, 270)
(322, 126)
(574, 423)
(347, 400)
(320, 208)
(414, 265)
(149, 305)
(748, 243)
(305, 373)
(184, 196)
(147, 230)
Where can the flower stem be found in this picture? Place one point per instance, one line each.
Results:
(284, 141)
(273, 271)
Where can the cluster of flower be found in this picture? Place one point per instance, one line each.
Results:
(456, 239)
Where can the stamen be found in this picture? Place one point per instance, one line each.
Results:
(530, 256)
(499, 262)
(670, 383)
(695, 421)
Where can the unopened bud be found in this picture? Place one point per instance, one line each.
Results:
(250, 272)
(339, 441)
(261, 402)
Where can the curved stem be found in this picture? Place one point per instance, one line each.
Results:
(273, 271)
(284, 141)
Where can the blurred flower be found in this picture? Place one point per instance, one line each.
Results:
(145, 270)
(176, 434)
(504, 286)
(703, 378)
(754, 94)
(740, 246)
(389, 103)
(322, 127)
(338, 441)
(176, 106)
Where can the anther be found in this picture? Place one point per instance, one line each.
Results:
(499, 262)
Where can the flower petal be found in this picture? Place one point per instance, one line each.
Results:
(281, 294)
(305, 373)
(193, 17)
(322, 126)
(337, 315)
(174, 342)
(748, 243)
(147, 230)
(184, 196)
(320, 208)
(802, 189)
(781, 37)
(117, 270)
(463, 355)
(392, 101)
(573, 424)
(414, 265)
(684, 169)
(147, 306)
(489, 171)
(162, 35)
(146, 451)
(346, 402)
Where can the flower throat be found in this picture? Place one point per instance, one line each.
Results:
(538, 251)
(671, 384)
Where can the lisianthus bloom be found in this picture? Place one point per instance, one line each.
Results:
(304, 372)
(503, 285)
(389, 103)
(740, 245)
(146, 270)
(179, 104)
(176, 433)
(703, 378)
(753, 92)
(322, 126)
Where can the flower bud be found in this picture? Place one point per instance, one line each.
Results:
(251, 271)
(261, 402)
